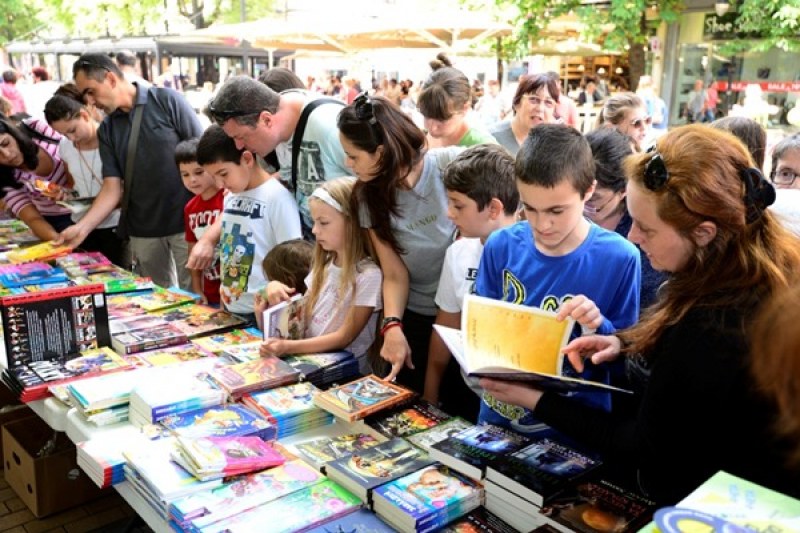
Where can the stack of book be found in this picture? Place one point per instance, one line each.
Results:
(36, 273)
(101, 456)
(202, 510)
(332, 442)
(104, 399)
(14, 233)
(300, 510)
(406, 420)
(38, 252)
(426, 499)
(426, 439)
(479, 520)
(218, 457)
(115, 280)
(195, 320)
(362, 397)
(363, 471)
(362, 521)
(232, 420)
(144, 332)
(220, 341)
(263, 373)
(170, 355)
(324, 369)
(520, 483)
(472, 450)
(175, 389)
(290, 408)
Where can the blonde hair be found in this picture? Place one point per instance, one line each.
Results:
(615, 108)
(356, 245)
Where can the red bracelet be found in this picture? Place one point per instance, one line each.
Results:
(389, 326)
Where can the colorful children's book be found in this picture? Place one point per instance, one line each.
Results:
(244, 353)
(217, 457)
(426, 439)
(407, 420)
(263, 373)
(116, 280)
(148, 339)
(542, 469)
(298, 511)
(55, 324)
(598, 504)
(134, 323)
(362, 397)
(285, 320)
(34, 273)
(203, 509)
(81, 263)
(173, 354)
(729, 503)
(426, 499)
(320, 451)
(160, 298)
(233, 420)
(471, 450)
(195, 320)
(495, 341)
(291, 408)
(38, 252)
(219, 342)
(363, 471)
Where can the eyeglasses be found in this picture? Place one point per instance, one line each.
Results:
(784, 176)
(363, 108)
(656, 175)
(549, 103)
(642, 122)
(221, 116)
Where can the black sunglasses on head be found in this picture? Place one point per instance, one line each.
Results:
(656, 175)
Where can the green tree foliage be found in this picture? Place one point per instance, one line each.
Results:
(18, 18)
(776, 21)
(618, 24)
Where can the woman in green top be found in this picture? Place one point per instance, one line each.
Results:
(445, 100)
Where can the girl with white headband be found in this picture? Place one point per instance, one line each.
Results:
(344, 287)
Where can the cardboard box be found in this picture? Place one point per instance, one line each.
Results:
(11, 413)
(48, 483)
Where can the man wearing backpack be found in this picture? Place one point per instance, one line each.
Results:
(299, 125)
(137, 147)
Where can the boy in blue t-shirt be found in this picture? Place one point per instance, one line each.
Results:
(557, 260)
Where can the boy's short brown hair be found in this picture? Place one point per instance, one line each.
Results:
(289, 263)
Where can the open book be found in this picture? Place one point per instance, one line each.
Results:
(513, 342)
(285, 320)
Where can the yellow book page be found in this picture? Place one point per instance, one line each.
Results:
(503, 335)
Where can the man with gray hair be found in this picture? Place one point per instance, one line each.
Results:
(150, 187)
(260, 120)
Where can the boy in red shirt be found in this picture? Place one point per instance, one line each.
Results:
(199, 214)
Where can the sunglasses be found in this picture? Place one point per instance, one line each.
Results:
(221, 116)
(656, 175)
(642, 122)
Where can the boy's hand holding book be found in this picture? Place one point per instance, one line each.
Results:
(582, 310)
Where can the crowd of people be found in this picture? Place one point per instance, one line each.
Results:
(668, 254)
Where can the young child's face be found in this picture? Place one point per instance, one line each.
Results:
(554, 215)
(196, 179)
(329, 226)
(234, 177)
(463, 211)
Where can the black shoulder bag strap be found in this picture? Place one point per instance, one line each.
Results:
(127, 179)
(297, 139)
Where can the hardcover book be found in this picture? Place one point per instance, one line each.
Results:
(544, 468)
(471, 450)
(285, 320)
(495, 341)
(363, 471)
(407, 420)
(195, 320)
(598, 505)
(56, 324)
(427, 499)
(362, 397)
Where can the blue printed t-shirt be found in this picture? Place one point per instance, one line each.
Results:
(604, 267)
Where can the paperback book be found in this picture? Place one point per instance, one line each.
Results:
(160, 298)
(479, 520)
(115, 280)
(219, 342)
(324, 369)
(362, 471)
(151, 338)
(495, 341)
(473, 449)
(427, 499)
(407, 420)
(218, 457)
(233, 420)
(244, 353)
(195, 320)
(35, 273)
(285, 320)
(173, 355)
(362, 397)
(44, 251)
(266, 372)
(544, 468)
(426, 439)
(290, 408)
(320, 451)
(362, 521)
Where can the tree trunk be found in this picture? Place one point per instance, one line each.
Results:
(197, 10)
(636, 64)
(500, 54)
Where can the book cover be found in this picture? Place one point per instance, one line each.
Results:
(310, 364)
(44, 251)
(325, 449)
(428, 498)
(160, 298)
(244, 352)
(297, 511)
(173, 354)
(148, 339)
(224, 455)
(479, 521)
(56, 324)
(12, 276)
(218, 342)
(365, 470)
(361, 397)
(729, 503)
(203, 509)
(134, 323)
(221, 421)
(362, 521)
(283, 402)
(265, 372)
(471, 450)
(445, 430)
(285, 320)
(494, 341)
(195, 320)
(407, 420)
(544, 468)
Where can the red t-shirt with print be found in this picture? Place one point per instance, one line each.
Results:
(198, 216)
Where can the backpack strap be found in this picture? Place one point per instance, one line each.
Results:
(297, 139)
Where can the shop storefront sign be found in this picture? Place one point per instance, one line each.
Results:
(724, 28)
(766, 86)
